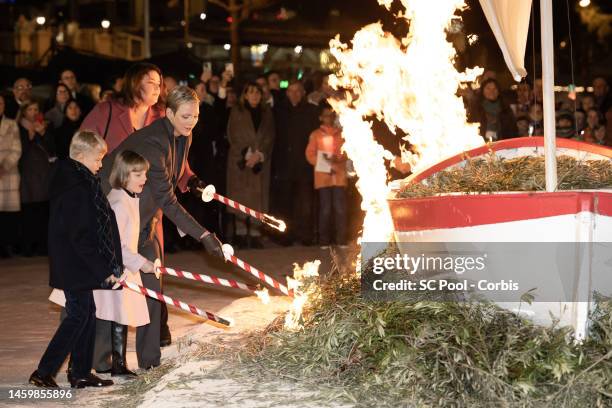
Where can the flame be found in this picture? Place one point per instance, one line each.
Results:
(263, 295)
(410, 84)
(302, 292)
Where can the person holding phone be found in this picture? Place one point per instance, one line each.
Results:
(35, 165)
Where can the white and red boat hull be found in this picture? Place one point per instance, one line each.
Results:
(564, 216)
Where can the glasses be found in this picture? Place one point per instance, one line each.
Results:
(22, 87)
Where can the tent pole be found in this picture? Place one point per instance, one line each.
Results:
(548, 81)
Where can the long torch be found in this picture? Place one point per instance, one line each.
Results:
(209, 193)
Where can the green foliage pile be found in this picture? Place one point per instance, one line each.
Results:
(526, 173)
(423, 353)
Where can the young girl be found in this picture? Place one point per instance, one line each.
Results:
(324, 153)
(124, 308)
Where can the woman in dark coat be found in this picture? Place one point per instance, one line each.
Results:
(70, 124)
(496, 119)
(250, 133)
(34, 166)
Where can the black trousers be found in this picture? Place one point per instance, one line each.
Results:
(332, 215)
(293, 201)
(75, 335)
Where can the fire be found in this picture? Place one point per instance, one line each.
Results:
(410, 84)
(263, 295)
(302, 291)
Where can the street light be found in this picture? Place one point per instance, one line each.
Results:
(105, 24)
(584, 3)
(40, 20)
(202, 16)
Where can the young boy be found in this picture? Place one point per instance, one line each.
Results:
(324, 153)
(84, 254)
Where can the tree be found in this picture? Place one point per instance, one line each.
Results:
(239, 10)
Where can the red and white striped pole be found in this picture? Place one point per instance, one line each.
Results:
(228, 251)
(211, 318)
(207, 279)
(209, 193)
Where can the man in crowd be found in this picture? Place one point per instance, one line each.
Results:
(68, 78)
(22, 91)
(292, 176)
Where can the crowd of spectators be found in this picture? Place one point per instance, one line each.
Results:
(257, 143)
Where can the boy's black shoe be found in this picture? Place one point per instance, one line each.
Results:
(46, 381)
(90, 381)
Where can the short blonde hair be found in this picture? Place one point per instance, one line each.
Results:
(85, 141)
(125, 163)
(179, 96)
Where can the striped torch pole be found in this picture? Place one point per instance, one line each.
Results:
(228, 251)
(207, 279)
(209, 193)
(211, 318)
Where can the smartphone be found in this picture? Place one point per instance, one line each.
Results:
(229, 67)
(207, 66)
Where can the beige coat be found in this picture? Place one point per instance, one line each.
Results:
(10, 152)
(243, 185)
(122, 306)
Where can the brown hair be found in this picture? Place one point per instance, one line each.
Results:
(126, 162)
(242, 101)
(132, 88)
(24, 107)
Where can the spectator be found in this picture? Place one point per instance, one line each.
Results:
(292, 174)
(34, 167)
(77, 92)
(136, 107)
(587, 102)
(267, 97)
(566, 127)
(601, 92)
(322, 90)
(593, 123)
(495, 116)
(170, 83)
(579, 120)
(22, 91)
(274, 81)
(55, 115)
(524, 99)
(250, 132)
(522, 126)
(10, 203)
(324, 153)
(536, 116)
(70, 124)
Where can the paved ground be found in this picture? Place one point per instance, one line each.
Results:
(29, 319)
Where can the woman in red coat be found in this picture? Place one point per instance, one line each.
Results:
(137, 106)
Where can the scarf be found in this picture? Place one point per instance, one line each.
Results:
(104, 220)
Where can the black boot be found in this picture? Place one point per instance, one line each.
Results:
(119, 340)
